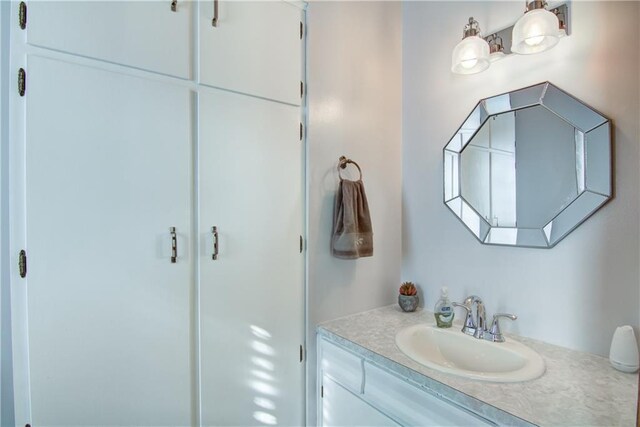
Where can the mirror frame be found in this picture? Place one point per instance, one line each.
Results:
(592, 132)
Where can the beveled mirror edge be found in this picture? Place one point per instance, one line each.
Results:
(482, 104)
(603, 118)
(610, 181)
(462, 221)
(458, 133)
(550, 244)
(596, 208)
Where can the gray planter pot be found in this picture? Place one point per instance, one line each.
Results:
(408, 303)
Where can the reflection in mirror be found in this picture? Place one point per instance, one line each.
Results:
(527, 167)
(488, 171)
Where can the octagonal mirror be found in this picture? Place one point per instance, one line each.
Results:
(527, 167)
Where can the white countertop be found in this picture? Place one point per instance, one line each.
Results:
(577, 388)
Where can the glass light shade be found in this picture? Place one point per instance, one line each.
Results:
(470, 56)
(497, 56)
(535, 32)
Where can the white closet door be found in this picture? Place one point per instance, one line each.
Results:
(255, 48)
(141, 34)
(108, 161)
(251, 297)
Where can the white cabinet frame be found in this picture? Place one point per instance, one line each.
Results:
(15, 118)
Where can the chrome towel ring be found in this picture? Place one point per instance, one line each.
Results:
(343, 162)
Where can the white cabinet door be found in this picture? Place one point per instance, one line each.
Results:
(255, 48)
(108, 161)
(251, 296)
(341, 408)
(141, 34)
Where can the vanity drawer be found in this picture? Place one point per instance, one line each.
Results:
(344, 367)
(341, 408)
(411, 405)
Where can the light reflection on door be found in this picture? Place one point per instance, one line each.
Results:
(263, 381)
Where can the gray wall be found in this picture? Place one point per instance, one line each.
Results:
(354, 109)
(575, 294)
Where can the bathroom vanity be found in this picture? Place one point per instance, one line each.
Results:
(364, 379)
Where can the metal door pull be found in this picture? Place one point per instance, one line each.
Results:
(214, 21)
(174, 245)
(214, 230)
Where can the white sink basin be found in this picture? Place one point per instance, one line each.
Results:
(451, 351)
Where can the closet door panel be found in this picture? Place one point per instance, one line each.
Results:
(141, 34)
(251, 296)
(255, 48)
(108, 171)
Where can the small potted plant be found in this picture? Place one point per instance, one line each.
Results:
(408, 298)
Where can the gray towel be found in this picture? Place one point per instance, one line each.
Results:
(352, 234)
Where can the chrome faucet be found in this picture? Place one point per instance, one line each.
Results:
(478, 327)
(469, 327)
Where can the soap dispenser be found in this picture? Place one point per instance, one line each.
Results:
(443, 310)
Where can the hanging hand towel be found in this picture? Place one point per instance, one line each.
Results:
(352, 234)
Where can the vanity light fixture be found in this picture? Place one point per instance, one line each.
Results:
(496, 47)
(538, 30)
(471, 54)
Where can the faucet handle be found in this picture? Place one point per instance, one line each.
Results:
(495, 334)
(469, 327)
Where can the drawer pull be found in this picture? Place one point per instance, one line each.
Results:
(214, 231)
(214, 21)
(174, 245)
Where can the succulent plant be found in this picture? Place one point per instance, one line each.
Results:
(408, 288)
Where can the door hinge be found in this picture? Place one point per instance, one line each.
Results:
(301, 353)
(174, 5)
(301, 89)
(301, 131)
(301, 29)
(22, 15)
(22, 81)
(321, 391)
(301, 244)
(22, 263)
